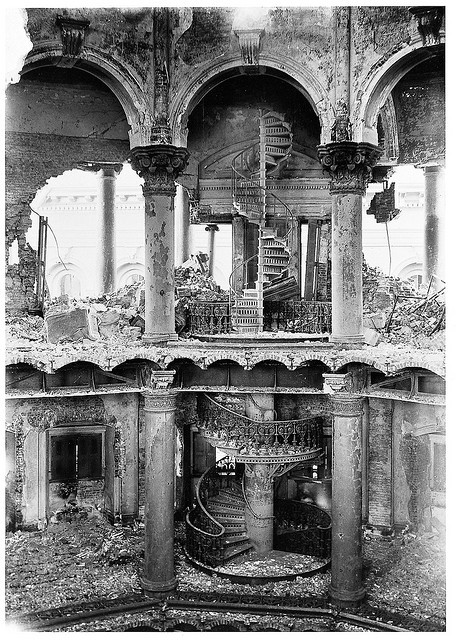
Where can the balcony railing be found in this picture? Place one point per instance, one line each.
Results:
(231, 431)
(297, 316)
(293, 316)
(302, 528)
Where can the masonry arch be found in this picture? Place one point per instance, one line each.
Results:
(380, 81)
(123, 81)
(211, 74)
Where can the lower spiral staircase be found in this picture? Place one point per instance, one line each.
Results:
(224, 524)
(253, 200)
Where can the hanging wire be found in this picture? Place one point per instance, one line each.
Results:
(56, 242)
(389, 248)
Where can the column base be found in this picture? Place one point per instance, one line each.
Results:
(154, 338)
(345, 599)
(358, 339)
(157, 589)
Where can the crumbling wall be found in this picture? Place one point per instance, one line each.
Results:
(54, 121)
(32, 420)
(379, 487)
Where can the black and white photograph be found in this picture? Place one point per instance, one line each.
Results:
(225, 317)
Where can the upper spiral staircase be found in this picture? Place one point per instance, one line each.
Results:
(253, 200)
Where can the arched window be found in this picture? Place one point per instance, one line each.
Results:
(70, 285)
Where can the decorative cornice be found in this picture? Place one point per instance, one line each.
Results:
(428, 20)
(73, 35)
(250, 44)
(159, 165)
(349, 165)
(346, 405)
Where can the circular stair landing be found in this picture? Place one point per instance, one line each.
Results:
(274, 566)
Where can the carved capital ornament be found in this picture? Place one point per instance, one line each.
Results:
(428, 21)
(349, 165)
(159, 165)
(73, 35)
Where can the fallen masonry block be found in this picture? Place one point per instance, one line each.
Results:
(371, 336)
(108, 322)
(72, 325)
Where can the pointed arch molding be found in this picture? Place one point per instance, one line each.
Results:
(381, 80)
(210, 74)
(122, 80)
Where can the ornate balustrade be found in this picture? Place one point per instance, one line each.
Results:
(302, 527)
(208, 318)
(244, 437)
(204, 542)
(294, 316)
(297, 316)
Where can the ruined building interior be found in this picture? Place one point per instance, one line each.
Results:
(256, 420)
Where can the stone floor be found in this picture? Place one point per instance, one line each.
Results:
(86, 558)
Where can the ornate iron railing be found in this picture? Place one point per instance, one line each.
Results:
(302, 527)
(208, 318)
(297, 316)
(230, 430)
(204, 534)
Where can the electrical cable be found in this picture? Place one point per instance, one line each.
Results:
(389, 249)
(56, 242)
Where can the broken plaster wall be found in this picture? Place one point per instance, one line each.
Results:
(32, 420)
(399, 482)
(53, 122)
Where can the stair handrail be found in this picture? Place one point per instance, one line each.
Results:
(232, 290)
(259, 422)
(203, 508)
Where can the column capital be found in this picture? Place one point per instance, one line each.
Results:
(337, 382)
(347, 404)
(108, 169)
(159, 165)
(349, 165)
(160, 396)
(211, 227)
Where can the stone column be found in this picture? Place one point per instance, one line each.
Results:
(159, 165)
(259, 490)
(434, 239)
(160, 437)
(238, 243)
(349, 165)
(346, 587)
(182, 243)
(211, 229)
(106, 237)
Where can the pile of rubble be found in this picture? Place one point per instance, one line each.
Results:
(396, 313)
(116, 317)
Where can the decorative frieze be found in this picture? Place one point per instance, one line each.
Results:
(349, 165)
(73, 33)
(159, 165)
(428, 20)
(347, 405)
(160, 401)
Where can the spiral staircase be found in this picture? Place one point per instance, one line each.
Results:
(253, 200)
(218, 526)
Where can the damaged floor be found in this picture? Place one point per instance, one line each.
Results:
(86, 558)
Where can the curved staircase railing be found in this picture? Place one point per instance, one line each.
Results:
(248, 437)
(258, 204)
(212, 540)
(203, 532)
(301, 527)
